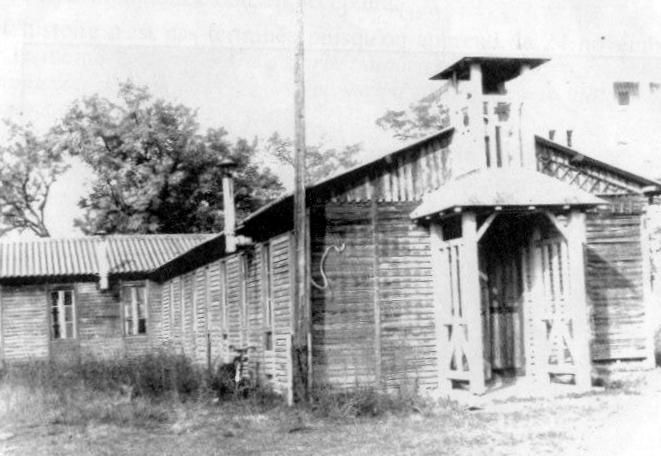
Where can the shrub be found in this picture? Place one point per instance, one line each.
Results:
(152, 376)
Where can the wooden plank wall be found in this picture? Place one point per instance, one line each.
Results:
(343, 324)
(653, 220)
(374, 324)
(281, 253)
(405, 177)
(25, 325)
(99, 333)
(214, 288)
(405, 297)
(614, 282)
(234, 282)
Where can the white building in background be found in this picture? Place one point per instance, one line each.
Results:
(611, 107)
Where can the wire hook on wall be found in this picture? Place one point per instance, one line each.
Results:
(322, 265)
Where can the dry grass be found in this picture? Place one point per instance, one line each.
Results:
(98, 422)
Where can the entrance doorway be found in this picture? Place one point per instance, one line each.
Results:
(528, 317)
(502, 283)
(527, 323)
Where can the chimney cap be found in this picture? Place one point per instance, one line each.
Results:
(228, 164)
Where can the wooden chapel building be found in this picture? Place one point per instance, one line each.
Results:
(477, 253)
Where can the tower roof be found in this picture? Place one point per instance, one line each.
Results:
(499, 69)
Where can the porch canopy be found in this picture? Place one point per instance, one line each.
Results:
(504, 188)
(556, 318)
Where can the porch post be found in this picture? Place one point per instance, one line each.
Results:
(470, 289)
(575, 245)
(440, 274)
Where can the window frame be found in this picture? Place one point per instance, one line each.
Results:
(626, 92)
(62, 313)
(134, 287)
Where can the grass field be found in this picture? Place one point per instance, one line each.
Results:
(621, 420)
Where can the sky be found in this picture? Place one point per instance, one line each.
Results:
(233, 60)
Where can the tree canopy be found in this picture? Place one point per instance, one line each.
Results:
(155, 172)
(29, 165)
(320, 162)
(422, 118)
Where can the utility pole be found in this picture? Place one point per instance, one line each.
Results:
(302, 335)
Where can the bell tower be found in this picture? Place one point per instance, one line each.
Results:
(490, 131)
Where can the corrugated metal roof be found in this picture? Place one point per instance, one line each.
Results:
(78, 256)
(505, 187)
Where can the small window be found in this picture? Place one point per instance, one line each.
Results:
(625, 91)
(63, 314)
(134, 310)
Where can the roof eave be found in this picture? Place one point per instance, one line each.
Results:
(504, 208)
(461, 65)
(651, 185)
(343, 175)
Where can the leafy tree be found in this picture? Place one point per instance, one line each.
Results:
(29, 165)
(155, 173)
(424, 117)
(320, 162)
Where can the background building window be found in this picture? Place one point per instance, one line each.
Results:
(134, 310)
(625, 91)
(63, 314)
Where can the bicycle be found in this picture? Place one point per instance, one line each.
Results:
(243, 379)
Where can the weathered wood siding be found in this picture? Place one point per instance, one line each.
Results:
(404, 177)
(25, 325)
(216, 290)
(617, 256)
(405, 297)
(343, 318)
(99, 333)
(653, 220)
(282, 257)
(614, 282)
(374, 323)
(223, 306)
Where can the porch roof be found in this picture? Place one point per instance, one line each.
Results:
(505, 188)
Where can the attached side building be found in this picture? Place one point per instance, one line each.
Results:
(67, 299)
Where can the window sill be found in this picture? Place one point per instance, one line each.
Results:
(138, 336)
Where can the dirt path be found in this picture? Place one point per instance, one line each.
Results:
(633, 431)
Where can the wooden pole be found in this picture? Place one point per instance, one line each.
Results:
(300, 347)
